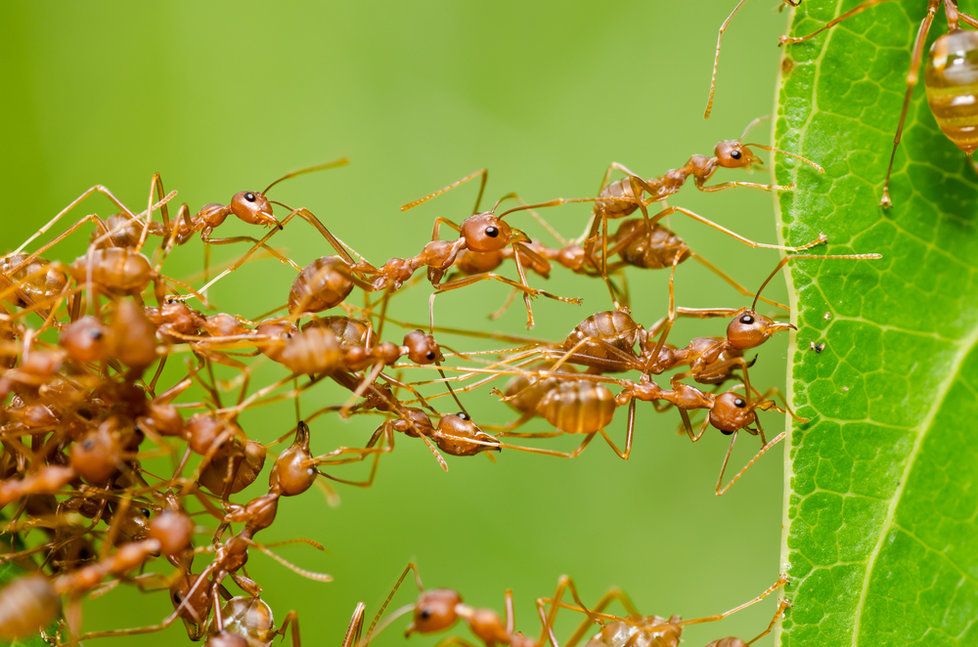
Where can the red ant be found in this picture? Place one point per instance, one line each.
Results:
(637, 629)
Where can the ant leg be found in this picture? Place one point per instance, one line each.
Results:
(731, 282)
(353, 630)
(720, 491)
(290, 623)
(249, 239)
(696, 313)
(483, 174)
(783, 606)
(98, 188)
(565, 583)
(688, 426)
(623, 453)
(596, 614)
(552, 452)
(303, 213)
(100, 224)
(672, 312)
(716, 58)
(780, 582)
(507, 302)
(439, 221)
(410, 568)
(858, 9)
(825, 257)
(485, 276)
(746, 241)
(968, 20)
(913, 75)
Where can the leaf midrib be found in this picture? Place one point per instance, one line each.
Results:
(965, 348)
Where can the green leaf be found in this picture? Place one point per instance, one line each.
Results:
(881, 534)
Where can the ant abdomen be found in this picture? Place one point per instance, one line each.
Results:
(321, 285)
(578, 406)
(654, 250)
(951, 81)
(27, 605)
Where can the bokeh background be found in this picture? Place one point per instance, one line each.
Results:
(226, 96)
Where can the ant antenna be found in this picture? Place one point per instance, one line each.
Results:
(800, 158)
(828, 257)
(343, 161)
(753, 122)
(390, 596)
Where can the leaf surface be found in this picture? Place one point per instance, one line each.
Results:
(881, 518)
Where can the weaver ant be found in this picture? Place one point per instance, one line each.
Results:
(949, 77)
(638, 629)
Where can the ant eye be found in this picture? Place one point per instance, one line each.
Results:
(96, 334)
(431, 355)
(739, 403)
(735, 154)
(747, 319)
(424, 614)
(145, 512)
(492, 232)
(250, 197)
(88, 444)
(177, 598)
(463, 415)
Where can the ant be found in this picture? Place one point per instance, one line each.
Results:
(481, 233)
(623, 197)
(605, 341)
(638, 629)
(31, 603)
(439, 609)
(949, 77)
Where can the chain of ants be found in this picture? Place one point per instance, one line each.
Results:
(89, 348)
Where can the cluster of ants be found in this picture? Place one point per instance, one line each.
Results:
(101, 356)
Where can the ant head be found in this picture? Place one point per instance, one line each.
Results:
(276, 334)
(486, 232)
(85, 340)
(731, 153)
(748, 329)
(422, 348)
(253, 208)
(96, 455)
(173, 529)
(459, 436)
(193, 610)
(731, 412)
(435, 610)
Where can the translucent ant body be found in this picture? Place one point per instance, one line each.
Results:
(636, 629)
(249, 622)
(950, 76)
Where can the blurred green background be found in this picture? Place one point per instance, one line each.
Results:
(226, 96)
